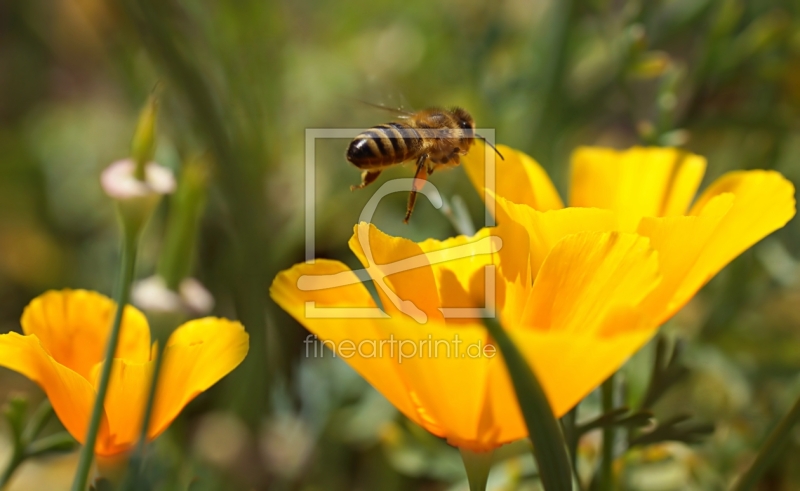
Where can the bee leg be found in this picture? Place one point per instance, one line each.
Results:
(422, 173)
(431, 167)
(367, 178)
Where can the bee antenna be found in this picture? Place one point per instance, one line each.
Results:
(490, 144)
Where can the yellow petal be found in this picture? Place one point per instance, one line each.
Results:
(127, 394)
(587, 317)
(402, 264)
(568, 365)
(71, 395)
(737, 210)
(458, 265)
(446, 369)
(545, 229)
(197, 355)
(379, 367)
(518, 178)
(763, 202)
(438, 381)
(73, 326)
(590, 279)
(680, 242)
(635, 183)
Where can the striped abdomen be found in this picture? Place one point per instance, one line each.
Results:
(384, 145)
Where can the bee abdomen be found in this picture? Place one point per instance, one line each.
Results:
(385, 144)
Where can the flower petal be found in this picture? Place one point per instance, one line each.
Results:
(459, 264)
(518, 178)
(404, 267)
(545, 229)
(568, 366)
(635, 183)
(764, 201)
(71, 395)
(587, 317)
(680, 242)
(589, 280)
(197, 355)
(738, 210)
(446, 370)
(379, 369)
(73, 326)
(127, 394)
(422, 382)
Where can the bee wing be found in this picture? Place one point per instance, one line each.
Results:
(401, 113)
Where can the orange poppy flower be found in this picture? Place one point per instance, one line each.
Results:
(573, 302)
(62, 349)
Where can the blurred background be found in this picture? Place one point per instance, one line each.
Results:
(240, 82)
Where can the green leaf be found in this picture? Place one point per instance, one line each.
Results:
(676, 429)
(14, 412)
(549, 448)
(776, 443)
(59, 442)
(617, 417)
(38, 421)
(667, 371)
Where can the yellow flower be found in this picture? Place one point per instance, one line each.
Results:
(573, 302)
(648, 191)
(62, 351)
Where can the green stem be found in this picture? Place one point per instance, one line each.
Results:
(569, 424)
(477, 465)
(128, 263)
(772, 448)
(549, 449)
(547, 112)
(16, 459)
(136, 467)
(607, 462)
(38, 420)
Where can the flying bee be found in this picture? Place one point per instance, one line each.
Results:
(434, 138)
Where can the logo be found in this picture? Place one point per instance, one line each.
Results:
(379, 272)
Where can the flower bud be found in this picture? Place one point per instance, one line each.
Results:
(136, 198)
(153, 295)
(186, 208)
(144, 140)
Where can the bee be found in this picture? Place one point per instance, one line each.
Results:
(435, 138)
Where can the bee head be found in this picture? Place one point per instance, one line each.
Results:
(465, 121)
(467, 126)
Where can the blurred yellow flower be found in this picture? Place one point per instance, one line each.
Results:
(62, 351)
(648, 191)
(573, 303)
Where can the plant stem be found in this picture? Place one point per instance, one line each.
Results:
(549, 449)
(37, 421)
(128, 263)
(772, 448)
(569, 424)
(477, 465)
(136, 467)
(606, 464)
(547, 113)
(16, 459)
